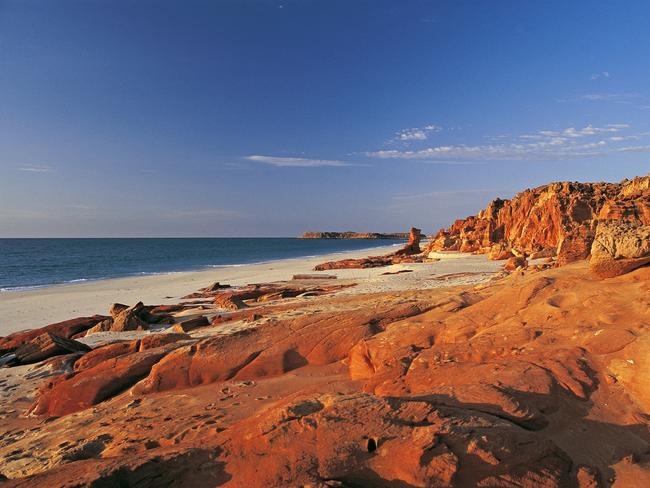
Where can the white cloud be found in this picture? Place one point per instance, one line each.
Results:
(602, 74)
(295, 162)
(32, 168)
(415, 133)
(569, 143)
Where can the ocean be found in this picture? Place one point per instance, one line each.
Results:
(31, 263)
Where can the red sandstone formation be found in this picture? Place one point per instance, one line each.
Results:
(560, 219)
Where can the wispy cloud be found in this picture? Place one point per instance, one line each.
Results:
(602, 74)
(415, 133)
(568, 143)
(295, 162)
(624, 98)
(32, 168)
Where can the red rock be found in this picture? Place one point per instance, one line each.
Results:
(158, 340)
(191, 324)
(235, 299)
(129, 319)
(116, 349)
(363, 263)
(65, 329)
(77, 391)
(167, 309)
(272, 349)
(559, 218)
(413, 244)
(370, 441)
(103, 353)
(45, 346)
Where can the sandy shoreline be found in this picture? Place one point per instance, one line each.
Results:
(35, 308)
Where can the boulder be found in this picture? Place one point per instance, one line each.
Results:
(129, 318)
(619, 247)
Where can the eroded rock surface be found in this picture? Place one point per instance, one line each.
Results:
(496, 386)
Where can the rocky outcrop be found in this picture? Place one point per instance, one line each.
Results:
(410, 253)
(619, 247)
(558, 219)
(413, 244)
(353, 235)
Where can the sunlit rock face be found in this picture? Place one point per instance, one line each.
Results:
(560, 218)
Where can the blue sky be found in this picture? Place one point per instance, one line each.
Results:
(269, 118)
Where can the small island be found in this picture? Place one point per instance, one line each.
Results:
(354, 235)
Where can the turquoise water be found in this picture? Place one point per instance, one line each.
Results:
(26, 263)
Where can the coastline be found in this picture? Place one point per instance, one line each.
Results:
(86, 272)
(34, 308)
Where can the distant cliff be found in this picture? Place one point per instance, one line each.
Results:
(353, 235)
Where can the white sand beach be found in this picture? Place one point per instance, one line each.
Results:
(29, 309)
